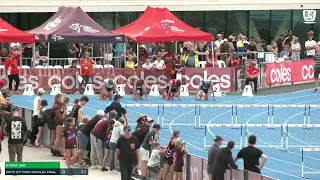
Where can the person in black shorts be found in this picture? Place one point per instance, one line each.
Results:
(109, 87)
(181, 149)
(70, 138)
(251, 156)
(139, 88)
(173, 89)
(316, 68)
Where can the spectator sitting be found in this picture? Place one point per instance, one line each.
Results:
(252, 75)
(143, 53)
(74, 64)
(190, 59)
(212, 62)
(147, 65)
(176, 66)
(168, 58)
(273, 48)
(130, 62)
(285, 54)
(252, 49)
(158, 62)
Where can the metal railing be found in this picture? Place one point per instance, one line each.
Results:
(195, 168)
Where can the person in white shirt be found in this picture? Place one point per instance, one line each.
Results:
(219, 41)
(296, 48)
(147, 65)
(310, 46)
(38, 125)
(159, 63)
(116, 133)
(155, 159)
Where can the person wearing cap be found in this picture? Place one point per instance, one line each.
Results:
(252, 75)
(251, 156)
(142, 130)
(16, 129)
(168, 166)
(37, 124)
(84, 134)
(139, 88)
(212, 153)
(223, 161)
(145, 150)
(11, 65)
(118, 107)
(203, 90)
(128, 154)
(180, 151)
(97, 140)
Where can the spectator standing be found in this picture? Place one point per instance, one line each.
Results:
(37, 124)
(168, 167)
(118, 107)
(168, 57)
(223, 161)
(84, 134)
(97, 139)
(145, 149)
(128, 153)
(296, 48)
(219, 41)
(190, 59)
(180, 151)
(11, 65)
(152, 49)
(310, 46)
(251, 156)
(212, 153)
(85, 70)
(141, 131)
(316, 59)
(60, 112)
(117, 132)
(285, 53)
(155, 160)
(280, 42)
(5, 108)
(252, 75)
(42, 51)
(78, 109)
(252, 50)
(72, 52)
(202, 52)
(16, 129)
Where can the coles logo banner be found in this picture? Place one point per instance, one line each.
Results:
(289, 72)
(45, 78)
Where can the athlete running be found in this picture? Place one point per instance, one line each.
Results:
(203, 90)
(173, 89)
(108, 89)
(139, 88)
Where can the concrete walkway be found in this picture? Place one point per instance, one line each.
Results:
(32, 154)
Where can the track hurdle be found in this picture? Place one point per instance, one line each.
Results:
(302, 160)
(303, 126)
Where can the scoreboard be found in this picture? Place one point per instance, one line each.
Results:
(41, 168)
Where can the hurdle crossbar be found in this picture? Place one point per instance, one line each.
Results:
(302, 162)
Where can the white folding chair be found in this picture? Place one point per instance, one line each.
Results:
(66, 66)
(58, 66)
(221, 64)
(203, 64)
(98, 66)
(49, 66)
(1, 66)
(25, 67)
(39, 66)
(108, 66)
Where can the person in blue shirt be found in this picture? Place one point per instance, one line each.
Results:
(203, 90)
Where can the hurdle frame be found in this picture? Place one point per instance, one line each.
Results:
(302, 161)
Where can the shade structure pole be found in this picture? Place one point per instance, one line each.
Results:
(138, 59)
(48, 53)
(212, 55)
(125, 52)
(176, 47)
(20, 51)
(33, 62)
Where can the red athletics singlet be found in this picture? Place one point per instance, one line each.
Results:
(174, 85)
(169, 153)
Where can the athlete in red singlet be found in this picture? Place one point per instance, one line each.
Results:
(168, 166)
(173, 89)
